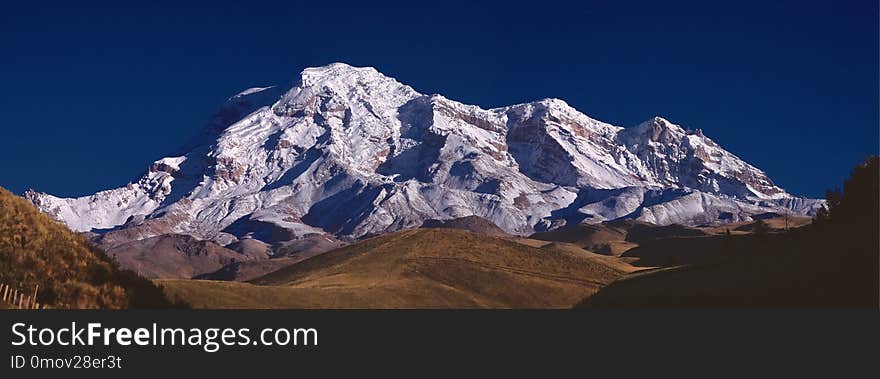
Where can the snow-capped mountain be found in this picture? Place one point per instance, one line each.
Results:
(351, 152)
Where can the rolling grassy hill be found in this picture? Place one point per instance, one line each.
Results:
(421, 268)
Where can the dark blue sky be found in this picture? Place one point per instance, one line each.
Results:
(93, 93)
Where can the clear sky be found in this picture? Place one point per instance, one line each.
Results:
(93, 93)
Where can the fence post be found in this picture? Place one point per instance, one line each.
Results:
(34, 299)
(3, 289)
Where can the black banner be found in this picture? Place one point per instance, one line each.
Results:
(421, 342)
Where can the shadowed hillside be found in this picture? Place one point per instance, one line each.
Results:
(831, 263)
(38, 251)
(616, 237)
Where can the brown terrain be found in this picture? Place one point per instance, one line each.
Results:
(461, 263)
(775, 222)
(616, 237)
(421, 268)
(474, 224)
(242, 271)
(173, 256)
(178, 256)
(443, 266)
(268, 258)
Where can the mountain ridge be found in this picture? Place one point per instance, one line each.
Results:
(349, 152)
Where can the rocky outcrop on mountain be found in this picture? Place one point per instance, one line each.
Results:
(349, 152)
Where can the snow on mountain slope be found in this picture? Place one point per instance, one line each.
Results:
(351, 152)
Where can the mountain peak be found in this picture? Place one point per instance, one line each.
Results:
(662, 123)
(552, 102)
(656, 129)
(338, 72)
(352, 152)
(348, 84)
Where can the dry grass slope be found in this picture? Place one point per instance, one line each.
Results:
(71, 273)
(422, 268)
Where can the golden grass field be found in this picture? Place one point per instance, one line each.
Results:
(421, 268)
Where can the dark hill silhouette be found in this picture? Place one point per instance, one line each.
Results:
(831, 263)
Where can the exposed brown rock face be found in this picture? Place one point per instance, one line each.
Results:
(283, 144)
(228, 169)
(162, 167)
(469, 118)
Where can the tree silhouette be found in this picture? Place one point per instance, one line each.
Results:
(858, 204)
